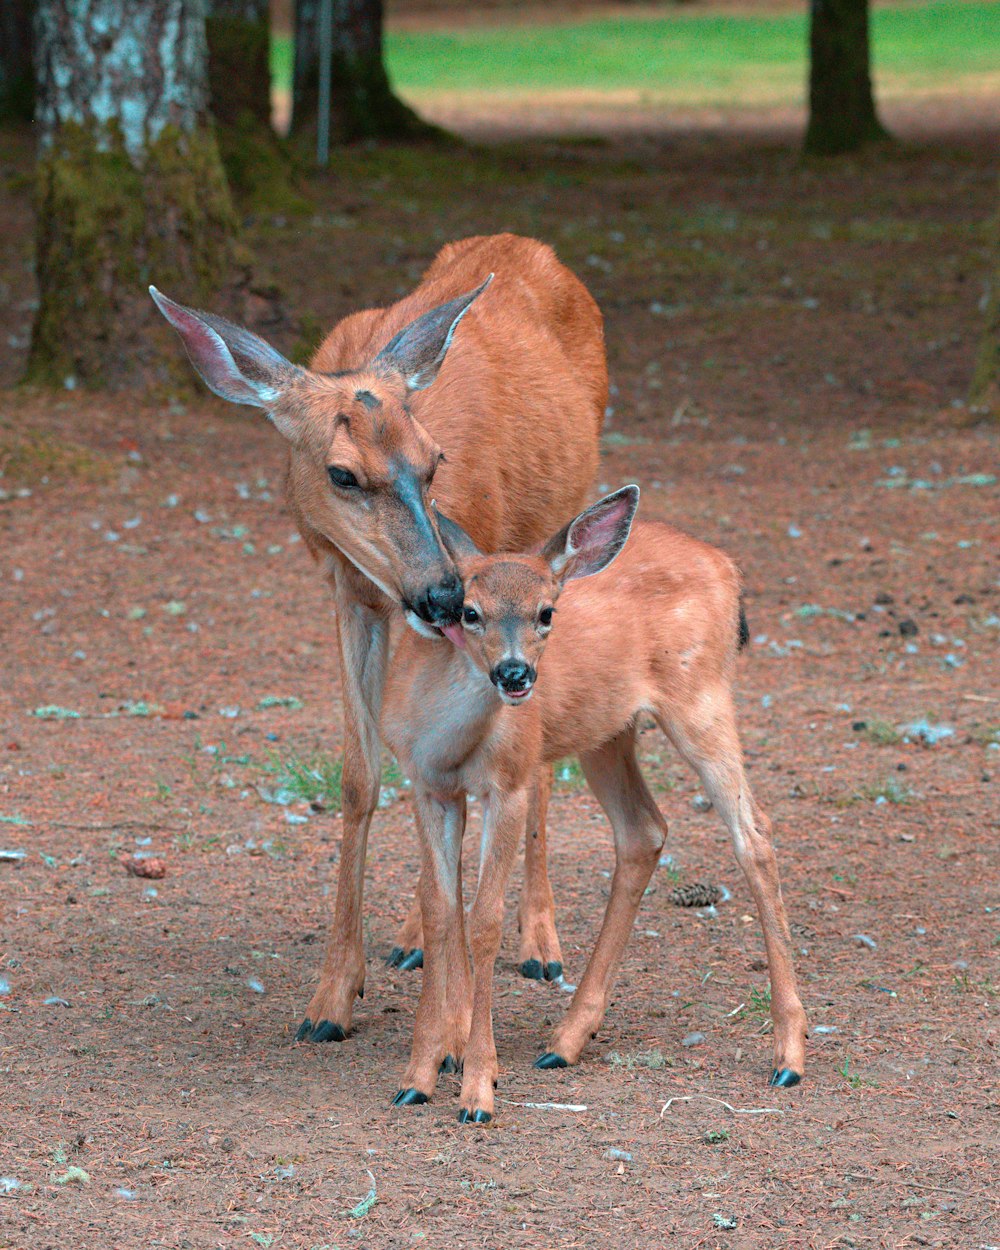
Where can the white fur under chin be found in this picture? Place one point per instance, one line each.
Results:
(421, 627)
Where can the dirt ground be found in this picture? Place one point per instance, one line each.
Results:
(790, 345)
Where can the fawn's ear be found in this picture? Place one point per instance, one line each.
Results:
(455, 538)
(419, 349)
(592, 540)
(233, 362)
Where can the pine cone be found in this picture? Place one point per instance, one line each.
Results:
(698, 894)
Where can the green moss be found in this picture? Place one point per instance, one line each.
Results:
(106, 229)
(26, 457)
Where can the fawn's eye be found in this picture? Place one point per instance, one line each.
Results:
(343, 478)
(470, 616)
(545, 617)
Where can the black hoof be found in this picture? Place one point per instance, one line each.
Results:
(551, 1060)
(409, 1098)
(415, 959)
(553, 970)
(532, 969)
(474, 1117)
(395, 957)
(785, 1078)
(449, 1065)
(326, 1031)
(305, 1028)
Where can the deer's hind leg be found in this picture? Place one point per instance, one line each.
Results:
(705, 734)
(408, 951)
(640, 831)
(540, 956)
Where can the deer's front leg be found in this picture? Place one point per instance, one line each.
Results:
(503, 823)
(363, 638)
(441, 1030)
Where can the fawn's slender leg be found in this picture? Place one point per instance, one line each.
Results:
(503, 824)
(441, 1029)
(363, 638)
(710, 743)
(640, 831)
(540, 954)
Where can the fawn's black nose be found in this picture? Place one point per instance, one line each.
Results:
(513, 675)
(441, 604)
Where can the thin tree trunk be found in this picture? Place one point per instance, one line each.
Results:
(17, 79)
(130, 189)
(363, 104)
(842, 113)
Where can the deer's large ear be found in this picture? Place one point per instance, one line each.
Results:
(592, 540)
(418, 350)
(455, 538)
(233, 362)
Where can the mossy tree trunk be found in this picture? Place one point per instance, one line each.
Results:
(984, 394)
(239, 61)
(362, 102)
(130, 188)
(17, 79)
(258, 165)
(842, 114)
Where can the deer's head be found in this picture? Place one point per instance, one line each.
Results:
(510, 600)
(361, 464)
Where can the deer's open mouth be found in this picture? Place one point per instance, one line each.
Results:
(515, 696)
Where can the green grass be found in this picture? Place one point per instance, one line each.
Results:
(680, 57)
(312, 780)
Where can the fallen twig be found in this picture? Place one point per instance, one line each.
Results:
(728, 1106)
(546, 1106)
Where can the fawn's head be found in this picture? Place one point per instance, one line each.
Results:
(510, 600)
(361, 465)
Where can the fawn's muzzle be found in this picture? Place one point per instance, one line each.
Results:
(513, 677)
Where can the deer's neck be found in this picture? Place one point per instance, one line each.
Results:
(440, 714)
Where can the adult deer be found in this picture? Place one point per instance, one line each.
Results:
(501, 414)
(657, 635)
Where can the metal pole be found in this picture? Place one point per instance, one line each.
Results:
(325, 55)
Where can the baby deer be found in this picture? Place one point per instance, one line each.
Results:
(658, 635)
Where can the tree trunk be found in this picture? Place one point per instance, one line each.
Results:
(130, 189)
(17, 79)
(258, 165)
(842, 113)
(239, 61)
(984, 394)
(362, 102)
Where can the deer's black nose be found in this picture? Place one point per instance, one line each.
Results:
(512, 675)
(441, 604)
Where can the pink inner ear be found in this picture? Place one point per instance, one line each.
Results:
(208, 352)
(600, 530)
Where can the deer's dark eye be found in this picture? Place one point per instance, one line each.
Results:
(470, 616)
(343, 478)
(545, 617)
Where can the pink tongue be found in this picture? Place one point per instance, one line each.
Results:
(454, 634)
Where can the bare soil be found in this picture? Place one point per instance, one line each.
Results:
(790, 344)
